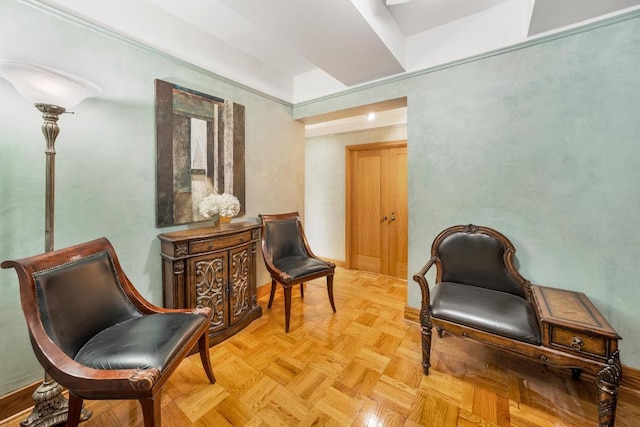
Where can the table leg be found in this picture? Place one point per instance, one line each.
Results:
(608, 380)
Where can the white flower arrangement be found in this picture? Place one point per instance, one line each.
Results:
(223, 204)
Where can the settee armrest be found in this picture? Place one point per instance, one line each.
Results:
(420, 279)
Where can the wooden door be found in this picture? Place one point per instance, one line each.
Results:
(377, 208)
(398, 220)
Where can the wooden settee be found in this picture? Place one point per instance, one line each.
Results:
(480, 295)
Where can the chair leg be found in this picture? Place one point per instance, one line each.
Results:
(273, 293)
(203, 347)
(302, 290)
(287, 307)
(75, 408)
(151, 411)
(330, 291)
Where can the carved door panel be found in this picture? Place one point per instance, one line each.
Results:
(239, 282)
(210, 278)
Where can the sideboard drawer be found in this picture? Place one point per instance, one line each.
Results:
(208, 245)
(579, 342)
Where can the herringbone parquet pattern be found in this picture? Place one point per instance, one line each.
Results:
(361, 367)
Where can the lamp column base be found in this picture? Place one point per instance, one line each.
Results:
(51, 407)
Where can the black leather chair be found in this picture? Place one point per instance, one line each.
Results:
(478, 290)
(289, 258)
(96, 335)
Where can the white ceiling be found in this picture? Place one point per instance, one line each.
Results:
(297, 50)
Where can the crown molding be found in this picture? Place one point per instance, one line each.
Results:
(50, 10)
(536, 40)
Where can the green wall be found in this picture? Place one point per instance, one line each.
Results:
(539, 141)
(105, 183)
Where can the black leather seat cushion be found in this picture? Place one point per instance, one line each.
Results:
(298, 266)
(492, 311)
(143, 342)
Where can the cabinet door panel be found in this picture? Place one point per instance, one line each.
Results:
(210, 278)
(239, 280)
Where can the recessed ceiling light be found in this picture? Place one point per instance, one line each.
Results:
(371, 116)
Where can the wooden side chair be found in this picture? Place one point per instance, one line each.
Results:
(289, 258)
(96, 335)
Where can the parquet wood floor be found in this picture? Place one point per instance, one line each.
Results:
(361, 367)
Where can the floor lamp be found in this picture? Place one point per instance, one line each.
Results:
(52, 91)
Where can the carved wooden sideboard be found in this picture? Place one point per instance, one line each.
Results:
(213, 267)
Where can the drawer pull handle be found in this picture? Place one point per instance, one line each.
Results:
(576, 344)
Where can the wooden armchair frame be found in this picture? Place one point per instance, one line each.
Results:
(85, 382)
(564, 343)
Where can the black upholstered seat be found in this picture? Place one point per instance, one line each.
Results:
(151, 341)
(298, 266)
(489, 310)
(289, 258)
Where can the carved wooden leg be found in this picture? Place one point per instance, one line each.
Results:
(425, 320)
(151, 411)
(203, 347)
(608, 380)
(330, 291)
(302, 290)
(287, 307)
(273, 293)
(75, 408)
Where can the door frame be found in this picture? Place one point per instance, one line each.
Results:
(350, 151)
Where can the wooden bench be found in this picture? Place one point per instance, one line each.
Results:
(479, 294)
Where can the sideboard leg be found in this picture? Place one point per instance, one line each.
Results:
(608, 380)
(575, 373)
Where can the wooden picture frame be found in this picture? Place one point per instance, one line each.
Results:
(200, 150)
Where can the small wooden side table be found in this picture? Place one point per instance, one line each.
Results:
(571, 324)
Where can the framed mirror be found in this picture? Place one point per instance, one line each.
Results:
(200, 151)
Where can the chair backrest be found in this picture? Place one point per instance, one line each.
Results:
(77, 300)
(477, 256)
(283, 238)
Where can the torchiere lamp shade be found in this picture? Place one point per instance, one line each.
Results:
(45, 85)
